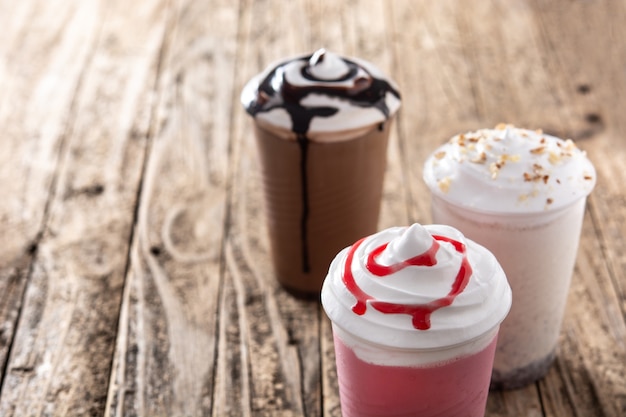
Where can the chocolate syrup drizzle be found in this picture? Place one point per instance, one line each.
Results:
(274, 91)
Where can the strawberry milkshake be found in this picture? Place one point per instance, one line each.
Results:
(521, 194)
(415, 314)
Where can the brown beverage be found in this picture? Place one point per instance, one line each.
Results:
(321, 124)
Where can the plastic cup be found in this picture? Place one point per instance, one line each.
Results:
(521, 194)
(415, 323)
(376, 381)
(322, 124)
(340, 192)
(538, 252)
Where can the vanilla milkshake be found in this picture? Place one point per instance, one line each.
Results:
(521, 194)
(415, 314)
(322, 123)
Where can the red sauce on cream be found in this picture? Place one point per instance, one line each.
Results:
(420, 313)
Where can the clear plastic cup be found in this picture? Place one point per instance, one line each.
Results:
(376, 381)
(538, 252)
(521, 194)
(322, 124)
(415, 314)
(315, 210)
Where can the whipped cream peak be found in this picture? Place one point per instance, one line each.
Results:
(324, 65)
(416, 287)
(310, 96)
(509, 170)
(415, 239)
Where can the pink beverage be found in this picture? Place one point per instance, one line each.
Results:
(521, 194)
(458, 387)
(415, 314)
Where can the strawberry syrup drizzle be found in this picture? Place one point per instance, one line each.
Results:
(420, 313)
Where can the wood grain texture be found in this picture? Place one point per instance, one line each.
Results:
(279, 335)
(508, 62)
(61, 353)
(38, 85)
(166, 353)
(134, 271)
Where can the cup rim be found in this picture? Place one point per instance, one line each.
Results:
(548, 211)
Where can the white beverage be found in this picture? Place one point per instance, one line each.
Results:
(521, 194)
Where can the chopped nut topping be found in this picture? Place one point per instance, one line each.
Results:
(570, 145)
(549, 201)
(542, 141)
(539, 132)
(537, 175)
(558, 181)
(501, 126)
(444, 184)
(494, 167)
(537, 151)
(588, 177)
(502, 160)
(440, 154)
(480, 159)
(554, 158)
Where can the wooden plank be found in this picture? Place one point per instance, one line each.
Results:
(462, 64)
(277, 350)
(593, 344)
(435, 79)
(521, 402)
(286, 350)
(592, 351)
(516, 55)
(362, 29)
(166, 355)
(61, 357)
(331, 27)
(38, 84)
(600, 120)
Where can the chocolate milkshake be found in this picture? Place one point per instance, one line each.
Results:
(521, 194)
(322, 123)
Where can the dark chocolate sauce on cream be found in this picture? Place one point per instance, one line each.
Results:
(420, 313)
(354, 85)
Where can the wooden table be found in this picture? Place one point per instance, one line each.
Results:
(134, 273)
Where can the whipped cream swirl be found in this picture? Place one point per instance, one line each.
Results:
(319, 93)
(416, 287)
(509, 170)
